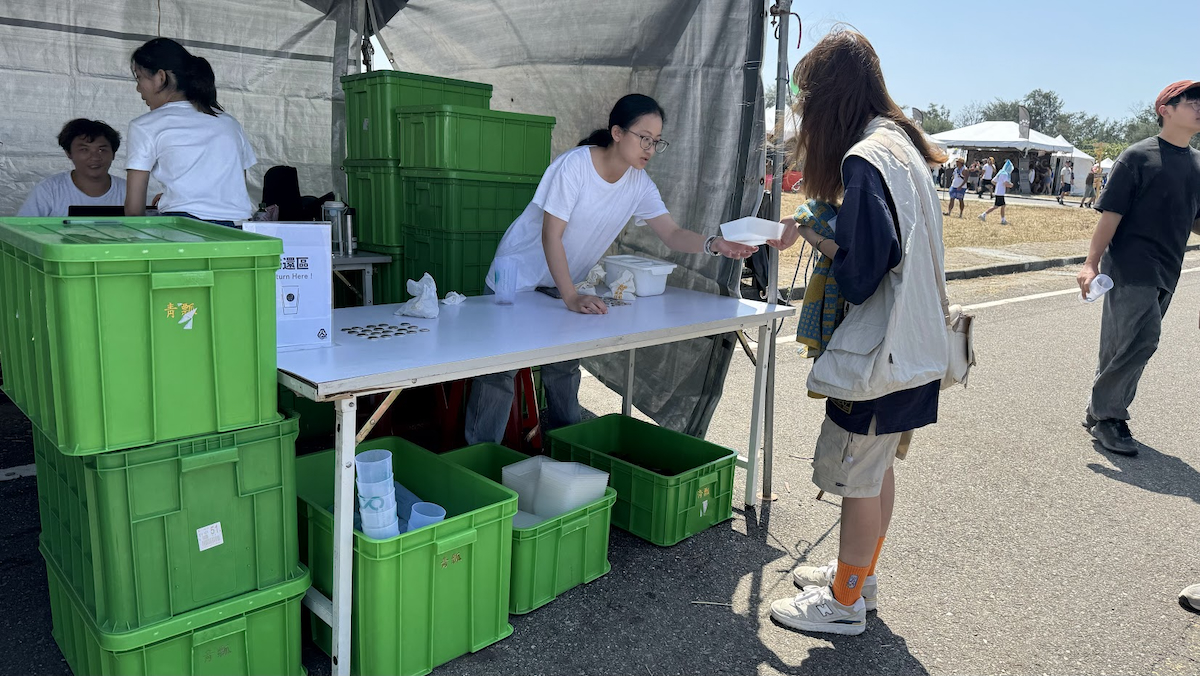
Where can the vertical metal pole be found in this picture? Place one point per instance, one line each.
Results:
(627, 399)
(767, 351)
(369, 284)
(760, 367)
(343, 534)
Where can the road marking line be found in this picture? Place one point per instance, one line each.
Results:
(11, 473)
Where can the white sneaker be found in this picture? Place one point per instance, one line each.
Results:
(1003, 222)
(1190, 598)
(815, 609)
(983, 217)
(822, 576)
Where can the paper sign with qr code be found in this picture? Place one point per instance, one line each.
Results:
(210, 536)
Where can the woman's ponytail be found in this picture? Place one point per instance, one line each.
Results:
(600, 137)
(193, 75)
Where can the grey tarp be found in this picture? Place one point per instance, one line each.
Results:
(277, 63)
(573, 60)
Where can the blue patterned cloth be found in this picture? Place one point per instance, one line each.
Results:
(824, 306)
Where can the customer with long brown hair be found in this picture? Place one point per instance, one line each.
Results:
(884, 364)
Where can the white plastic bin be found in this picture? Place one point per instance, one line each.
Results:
(649, 274)
(522, 477)
(564, 486)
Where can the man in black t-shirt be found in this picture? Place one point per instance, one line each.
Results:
(1149, 207)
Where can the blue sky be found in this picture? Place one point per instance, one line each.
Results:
(955, 53)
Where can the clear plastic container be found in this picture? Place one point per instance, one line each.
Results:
(649, 274)
(425, 514)
(373, 466)
(522, 477)
(564, 486)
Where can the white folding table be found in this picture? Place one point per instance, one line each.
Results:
(479, 337)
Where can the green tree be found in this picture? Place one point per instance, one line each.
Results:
(1002, 110)
(1045, 110)
(972, 113)
(937, 119)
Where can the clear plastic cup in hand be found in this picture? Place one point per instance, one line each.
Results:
(1101, 284)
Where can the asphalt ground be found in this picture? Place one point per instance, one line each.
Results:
(1017, 547)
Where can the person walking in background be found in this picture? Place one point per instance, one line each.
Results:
(958, 187)
(1089, 187)
(1000, 189)
(861, 150)
(1067, 178)
(1149, 209)
(985, 181)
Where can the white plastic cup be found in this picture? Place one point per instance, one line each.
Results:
(1101, 284)
(376, 520)
(384, 532)
(373, 466)
(425, 514)
(504, 280)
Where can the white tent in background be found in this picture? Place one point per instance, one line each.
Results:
(1106, 165)
(1082, 162)
(791, 123)
(999, 135)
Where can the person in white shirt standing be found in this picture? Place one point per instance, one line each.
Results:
(999, 189)
(187, 141)
(90, 145)
(985, 183)
(581, 205)
(958, 188)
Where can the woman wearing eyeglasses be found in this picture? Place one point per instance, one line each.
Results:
(582, 204)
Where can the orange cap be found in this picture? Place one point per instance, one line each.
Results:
(1172, 90)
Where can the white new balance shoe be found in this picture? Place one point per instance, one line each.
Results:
(815, 609)
(822, 576)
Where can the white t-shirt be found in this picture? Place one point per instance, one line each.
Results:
(958, 178)
(199, 159)
(988, 170)
(55, 195)
(595, 211)
(1002, 184)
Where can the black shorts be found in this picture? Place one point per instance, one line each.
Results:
(999, 200)
(1066, 188)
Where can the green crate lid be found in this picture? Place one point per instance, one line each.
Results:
(401, 75)
(131, 238)
(471, 110)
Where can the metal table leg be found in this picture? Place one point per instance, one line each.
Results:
(627, 399)
(343, 535)
(368, 285)
(760, 367)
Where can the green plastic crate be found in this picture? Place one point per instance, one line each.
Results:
(126, 528)
(421, 598)
(459, 138)
(96, 339)
(375, 190)
(390, 201)
(670, 486)
(372, 130)
(253, 634)
(462, 201)
(458, 261)
(556, 555)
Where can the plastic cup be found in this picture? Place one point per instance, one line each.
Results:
(373, 488)
(377, 503)
(376, 519)
(373, 466)
(1101, 284)
(425, 514)
(504, 279)
(390, 530)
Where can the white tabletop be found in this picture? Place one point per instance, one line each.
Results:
(480, 337)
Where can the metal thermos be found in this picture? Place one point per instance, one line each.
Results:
(334, 211)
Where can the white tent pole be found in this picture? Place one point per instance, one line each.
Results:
(782, 11)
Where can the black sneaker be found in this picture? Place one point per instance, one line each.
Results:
(1114, 435)
(1088, 421)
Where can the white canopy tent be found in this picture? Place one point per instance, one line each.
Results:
(1082, 163)
(999, 135)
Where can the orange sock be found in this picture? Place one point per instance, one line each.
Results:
(878, 548)
(847, 584)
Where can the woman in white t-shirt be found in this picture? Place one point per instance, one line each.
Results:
(187, 141)
(582, 204)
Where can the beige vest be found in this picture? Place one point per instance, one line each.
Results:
(896, 340)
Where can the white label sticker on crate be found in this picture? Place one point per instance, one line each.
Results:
(210, 536)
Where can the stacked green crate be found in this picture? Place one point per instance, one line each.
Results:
(143, 350)
(438, 183)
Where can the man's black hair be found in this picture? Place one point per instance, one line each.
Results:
(90, 130)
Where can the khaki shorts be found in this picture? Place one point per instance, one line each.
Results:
(852, 465)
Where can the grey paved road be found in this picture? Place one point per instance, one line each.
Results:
(1017, 547)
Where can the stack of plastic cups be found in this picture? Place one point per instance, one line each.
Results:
(376, 494)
